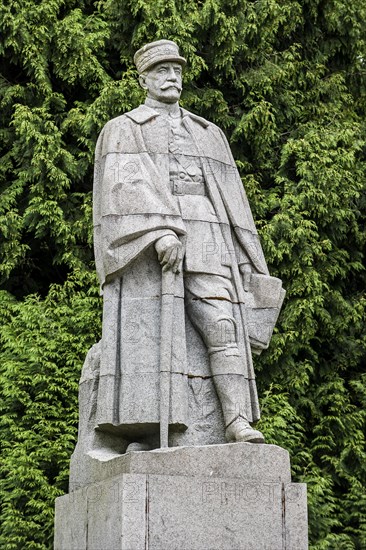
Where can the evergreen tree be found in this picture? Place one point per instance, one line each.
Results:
(286, 80)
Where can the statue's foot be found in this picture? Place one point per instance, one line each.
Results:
(241, 430)
(136, 446)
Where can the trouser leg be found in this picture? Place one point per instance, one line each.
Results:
(212, 315)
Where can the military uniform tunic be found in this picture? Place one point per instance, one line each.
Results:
(205, 250)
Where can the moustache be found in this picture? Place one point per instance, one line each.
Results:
(167, 86)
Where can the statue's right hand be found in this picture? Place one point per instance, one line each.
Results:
(170, 253)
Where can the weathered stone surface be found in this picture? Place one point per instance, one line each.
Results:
(71, 522)
(296, 517)
(233, 496)
(245, 461)
(213, 513)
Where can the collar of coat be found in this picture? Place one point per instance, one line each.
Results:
(143, 113)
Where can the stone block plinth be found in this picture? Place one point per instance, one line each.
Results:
(219, 497)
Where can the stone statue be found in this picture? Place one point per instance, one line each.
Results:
(187, 294)
(187, 300)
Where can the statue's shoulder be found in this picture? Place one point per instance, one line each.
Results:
(204, 123)
(120, 132)
(111, 128)
(211, 138)
(198, 119)
(141, 114)
(122, 125)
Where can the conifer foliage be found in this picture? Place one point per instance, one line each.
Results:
(286, 81)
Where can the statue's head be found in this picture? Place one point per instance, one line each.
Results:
(160, 70)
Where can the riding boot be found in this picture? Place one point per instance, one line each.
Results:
(231, 388)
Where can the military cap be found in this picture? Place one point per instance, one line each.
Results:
(156, 52)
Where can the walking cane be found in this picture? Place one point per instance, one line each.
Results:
(166, 335)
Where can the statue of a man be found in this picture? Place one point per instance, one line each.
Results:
(169, 203)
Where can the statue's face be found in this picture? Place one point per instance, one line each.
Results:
(163, 82)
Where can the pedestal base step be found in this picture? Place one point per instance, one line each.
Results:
(200, 510)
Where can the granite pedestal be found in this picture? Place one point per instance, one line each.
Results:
(218, 497)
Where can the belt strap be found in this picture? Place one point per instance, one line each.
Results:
(182, 187)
